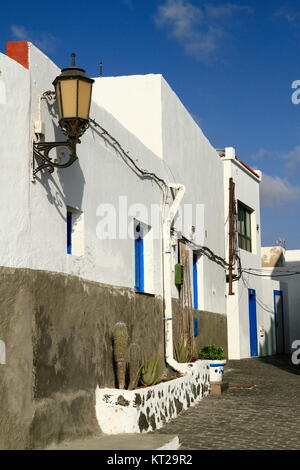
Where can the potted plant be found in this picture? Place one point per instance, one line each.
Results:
(215, 355)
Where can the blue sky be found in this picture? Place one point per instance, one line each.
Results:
(231, 63)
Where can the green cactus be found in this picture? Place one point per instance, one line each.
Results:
(134, 365)
(150, 370)
(181, 353)
(120, 337)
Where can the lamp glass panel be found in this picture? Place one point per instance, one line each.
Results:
(58, 100)
(84, 99)
(69, 98)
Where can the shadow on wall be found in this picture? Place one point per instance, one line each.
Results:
(72, 181)
(282, 318)
(291, 305)
(271, 340)
(268, 347)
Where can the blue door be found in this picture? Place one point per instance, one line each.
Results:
(279, 322)
(139, 264)
(69, 233)
(252, 323)
(195, 280)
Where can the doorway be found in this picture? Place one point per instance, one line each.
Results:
(252, 323)
(279, 321)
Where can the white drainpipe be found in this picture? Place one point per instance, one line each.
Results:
(167, 277)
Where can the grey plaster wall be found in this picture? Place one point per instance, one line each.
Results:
(212, 330)
(58, 334)
(212, 327)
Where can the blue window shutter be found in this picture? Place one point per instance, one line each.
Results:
(196, 326)
(69, 233)
(195, 280)
(139, 264)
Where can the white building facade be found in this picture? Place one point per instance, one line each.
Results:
(82, 248)
(284, 266)
(250, 311)
(70, 262)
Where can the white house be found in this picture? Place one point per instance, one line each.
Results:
(284, 266)
(250, 311)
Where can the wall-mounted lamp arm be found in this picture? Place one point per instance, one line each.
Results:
(41, 151)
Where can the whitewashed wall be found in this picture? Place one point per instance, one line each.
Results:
(34, 216)
(14, 164)
(148, 107)
(289, 285)
(292, 298)
(135, 101)
(247, 192)
(34, 219)
(193, 161)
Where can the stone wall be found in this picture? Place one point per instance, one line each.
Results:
(147, 409)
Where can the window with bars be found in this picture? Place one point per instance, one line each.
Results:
(244, 227)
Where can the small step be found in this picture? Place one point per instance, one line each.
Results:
(217, 388)
(121, 442)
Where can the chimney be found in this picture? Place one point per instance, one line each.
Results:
(18, 51)
(229, 152)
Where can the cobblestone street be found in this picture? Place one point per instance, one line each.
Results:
(264, 417)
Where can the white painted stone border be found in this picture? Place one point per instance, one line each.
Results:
(149, 408)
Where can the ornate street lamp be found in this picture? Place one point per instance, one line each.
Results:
(73, 90)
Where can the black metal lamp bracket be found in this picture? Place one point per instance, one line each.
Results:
(41, 152)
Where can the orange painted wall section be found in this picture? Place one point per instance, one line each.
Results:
(18, 51)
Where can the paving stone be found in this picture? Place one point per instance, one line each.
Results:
(149, 441)
(266, 417)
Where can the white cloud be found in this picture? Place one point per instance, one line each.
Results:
(276, 191)
(19, 32)
(292, 158)
(44, 41)
(286, 13)
(128, 3)
(263, 153)
(182, 17)
(226, 10)
(198, 29)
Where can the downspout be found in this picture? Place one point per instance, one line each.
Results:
(167, 278)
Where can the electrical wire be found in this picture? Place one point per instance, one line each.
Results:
(208, 253)
(277, 270)
(118, 147)
(113, 142)
(264, 306)
(270, 275)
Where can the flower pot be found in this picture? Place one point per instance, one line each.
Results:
(216, 370)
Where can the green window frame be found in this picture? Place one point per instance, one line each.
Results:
(244, 227)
